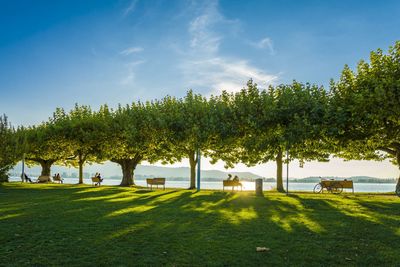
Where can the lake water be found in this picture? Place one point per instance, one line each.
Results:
(248, 186)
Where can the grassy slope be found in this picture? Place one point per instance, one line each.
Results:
(80, 225)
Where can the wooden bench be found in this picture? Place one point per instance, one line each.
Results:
(232, 183)
(347, 184)
(155, 181)
(43, 179)
(58, 179)
(96, 181)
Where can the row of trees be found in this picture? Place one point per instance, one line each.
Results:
(357, 118)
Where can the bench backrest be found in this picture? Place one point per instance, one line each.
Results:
(347, 184)
(44, 178)
(230, 183)
(344, 184)
(95, 179)
(155, 181)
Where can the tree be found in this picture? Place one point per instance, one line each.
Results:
(43, 147)
(365, 108)
(187, 125)
(285, 117)
(8, 148)
(133, 136)
(82, 130)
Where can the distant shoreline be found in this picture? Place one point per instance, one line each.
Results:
(311, 180)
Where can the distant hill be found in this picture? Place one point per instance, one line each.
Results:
(111, 170)
(355, 179)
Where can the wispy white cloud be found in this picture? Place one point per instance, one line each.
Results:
(131, 50)
(265, 43)
(129, 9)
(202, 37)
(224, 74)
(204, 66)
(130, 74)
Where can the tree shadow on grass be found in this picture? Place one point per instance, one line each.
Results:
(178, 227)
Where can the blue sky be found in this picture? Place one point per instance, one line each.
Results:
(58, 53)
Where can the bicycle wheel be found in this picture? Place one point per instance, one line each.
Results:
(337, 189)
(318, 188)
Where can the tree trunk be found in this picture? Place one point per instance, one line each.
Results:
(128, 167)
(279, 167)
(192, 162)
(398, 180)
(80, 163)
(46, 167)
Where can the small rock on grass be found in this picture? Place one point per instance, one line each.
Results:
(262, 249)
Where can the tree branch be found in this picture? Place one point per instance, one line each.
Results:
(388, 150)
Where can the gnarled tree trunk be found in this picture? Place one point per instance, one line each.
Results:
(46, 167)
(81, 162)
(45, 164)
(394, 150)
(398, 180)
(279, 168)
(128, 167)
(192, 162)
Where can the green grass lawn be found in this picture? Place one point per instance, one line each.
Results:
(70, 225)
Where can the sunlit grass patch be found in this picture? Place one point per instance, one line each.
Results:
(74, 225)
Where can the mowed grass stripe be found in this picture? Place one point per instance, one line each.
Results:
(54, 225)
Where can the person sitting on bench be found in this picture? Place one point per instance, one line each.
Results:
(98, 176)
(57, 177)
(236, 178)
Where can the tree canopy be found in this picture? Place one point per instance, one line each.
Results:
(358, 118)
(8, 148)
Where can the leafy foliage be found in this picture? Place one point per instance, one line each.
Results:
(366, 108)
(187, 125)
(133, 135)
(82, 130)
(8, 148)
(359, 118)
(265, 123)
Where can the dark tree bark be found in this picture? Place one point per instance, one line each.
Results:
(45, 164)
(192, 162)
(279, 168)
(398, 180)
(46, 167)
(128, 167)
(394, 150)
(81, 162)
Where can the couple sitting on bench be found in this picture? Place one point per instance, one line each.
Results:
(96, 179)
(57, 178)
(232, 182)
